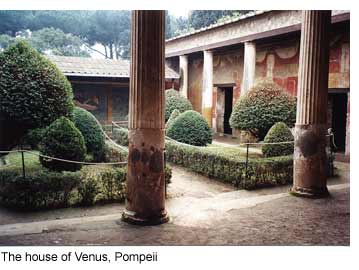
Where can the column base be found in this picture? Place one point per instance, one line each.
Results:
(313, 193)
(131, 218)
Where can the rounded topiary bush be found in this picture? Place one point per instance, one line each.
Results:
(62, 140)
(33, 91)
(261, 107)
(174, 100)
(279, 132)
(190, 127)
(175, 113)
(92, 132)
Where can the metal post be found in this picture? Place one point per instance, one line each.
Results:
(23, 163)
(246, 175)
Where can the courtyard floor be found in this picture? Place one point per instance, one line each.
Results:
(203, 212)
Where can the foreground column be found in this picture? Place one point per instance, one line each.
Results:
(145, 203)
(249, 67)
(311, 125)
(207, 86)
(183, 63)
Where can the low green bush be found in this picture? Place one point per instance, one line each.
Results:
(120, 135)
(174, 100)
(40, 190)
(232, 169)
(102, 186)
(62, 140)
(91, 131)
(190, 127)
(279, 132)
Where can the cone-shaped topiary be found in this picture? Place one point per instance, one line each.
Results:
(190, 127)
(175, 113)
(63, 140)
(279, 132)
(92, 132)
(33, 91)
(174, 100)
(261, 107)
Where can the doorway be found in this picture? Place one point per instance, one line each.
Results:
(224, 109)
(339, 103)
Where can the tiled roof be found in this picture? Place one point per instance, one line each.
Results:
(90, 67)
(230, 20)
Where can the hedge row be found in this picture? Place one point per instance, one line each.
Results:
(44, 189)
(261, 171)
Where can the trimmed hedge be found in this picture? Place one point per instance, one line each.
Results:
(279, 132)
(33, 91)
(91, 131)
(174, 100)
(261, 171)
(190, 127)
(63, 140)
(261, 107)
(40, 190)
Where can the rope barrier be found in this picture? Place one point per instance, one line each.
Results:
(64, 160)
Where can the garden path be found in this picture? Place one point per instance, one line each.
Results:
(203, 212)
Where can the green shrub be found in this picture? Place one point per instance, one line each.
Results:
(261, 107)
(175, 113)
(190, 127)
(34, 137)
(88, 188)
(120, 136)
(230, 168)
(174, 100)
(43, 189)
(91, 131)
(63, 140)
(112, 185)
(33, 91)
(279, 132)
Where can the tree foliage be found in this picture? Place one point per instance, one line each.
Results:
(261, 107)
(62, 140)
(92, 132)
(190, 127)
(33, 91)
(279, 132)
(174, 100)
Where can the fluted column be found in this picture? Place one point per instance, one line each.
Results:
(183, 63)
(311, 123)
(207, 92)
(145, 202)
(249, 66)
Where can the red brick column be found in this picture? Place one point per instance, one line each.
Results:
(145, 204)
(311, 125)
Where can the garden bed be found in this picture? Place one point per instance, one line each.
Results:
(43, 189)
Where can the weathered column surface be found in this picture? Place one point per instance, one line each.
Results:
(207, 85)
(311, 125)
(249, 67)
(347, 135)
(145, 204)
(183, 63)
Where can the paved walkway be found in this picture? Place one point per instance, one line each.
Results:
(203, 212)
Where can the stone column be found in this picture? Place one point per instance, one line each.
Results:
(311, 125)
(145, 204)
(207, 86)
(249, 67)
(183, 63)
